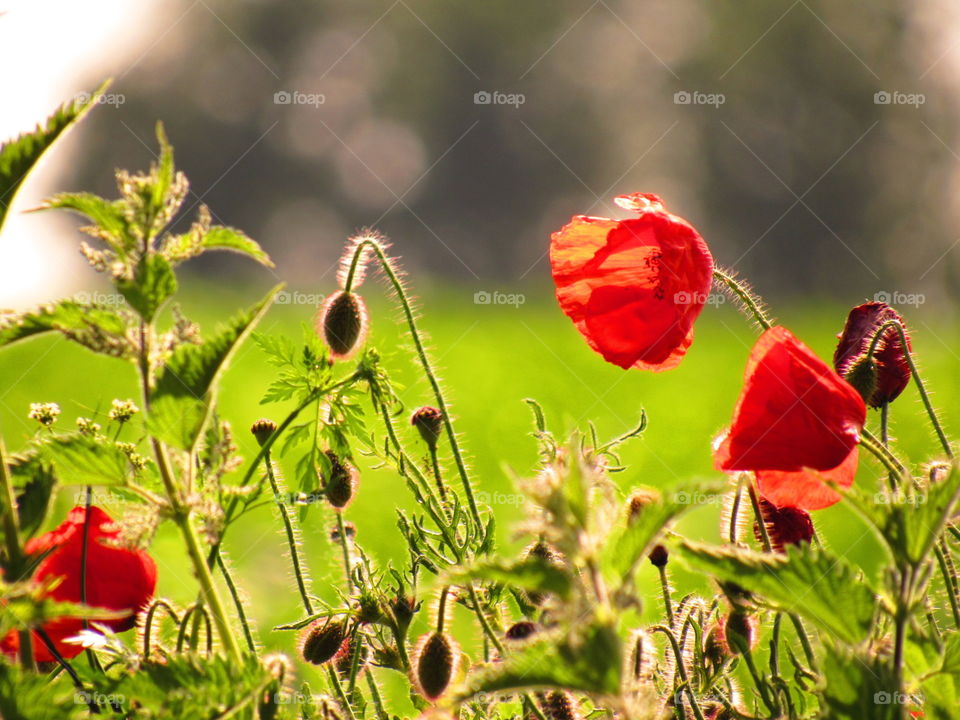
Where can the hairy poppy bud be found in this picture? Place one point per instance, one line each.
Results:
(342, 322)
(322, 640)
(262, 430)
(785, 525)
(429, 423)
(863, 376)
(639, 499)
(659, 556)
(343, 660)
(521, 630)
(892, 370)
(715, 648)
(738, 632)
(436, 659)
(341, 483)
(560, 705)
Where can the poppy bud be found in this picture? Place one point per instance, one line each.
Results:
(343, 660)
(429, 423)
(521, 630)
(659, 556)
(322, 640)
(369, 609)
(542, 550)
(262, 430)
(738, 632)
(403, 609)
(341, 484)
(785, 525)
(715, 648)
(640, 499)
(560, 705)
(863, 376)
(435, 662)
(890, 356)
(342, 321)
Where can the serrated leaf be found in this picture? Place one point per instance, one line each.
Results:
(106, 214)
(185, 391)
(590, 660)
(85, 460)
(227, 238)
(951, 654)
(820, 586)
(36, 481)
(67, 316)
(27, 695)
(20, 155)
(858, 686)
(153, 283)
(532, 574)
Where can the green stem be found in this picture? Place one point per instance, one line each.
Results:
(237, 603)
(387, 266)
(758, 514)
(16, 559)
(375, 696)
(804, 641)
(681, 668)
(295, 559)
(921, 388)
(665, 588)
(897, 471)
(735, 510)
(746, 296)
(949, 573)
(342, 532)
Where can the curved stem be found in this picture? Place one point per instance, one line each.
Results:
(890, 461)
(681, 669)
(949, 573)
(753, 303)
(295, 559)
(148, 622)
(237, 603)
(404, 300)
(761, 523)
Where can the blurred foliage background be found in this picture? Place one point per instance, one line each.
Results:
(802, 179)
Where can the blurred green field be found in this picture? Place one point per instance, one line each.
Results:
(490, 357)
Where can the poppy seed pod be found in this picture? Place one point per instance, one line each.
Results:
(341, 483)
(322, 640)
(429, 423)
(342, 322)
(435, 663)
(262, 430)
(785, 526)
(890, 365)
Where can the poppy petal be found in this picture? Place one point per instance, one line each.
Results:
(807, 489)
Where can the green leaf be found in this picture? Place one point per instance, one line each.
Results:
(20, 155)
(86, 460)
(532, 574)
(152, 285)
(106, 214)
(814, 583)
(951, 654)
(590, 661)
(186, 387)
(36, 481)
(67, 316)
(29, 695)
(227, 238)
(858, 686)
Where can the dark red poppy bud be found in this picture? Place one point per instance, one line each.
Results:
(715, 648)
(639, 499)
(429, 423)
(322, 640)
(890, 356)
(341, 482)
(522, 630)
(262, 430)
(435, 662)
(560, 705)
(659, 556)
(343, 660)
(785, 525)
(342, 322)
(739, 632)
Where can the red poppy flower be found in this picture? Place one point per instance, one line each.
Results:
(807, 489)
(785, 525)
(633, 287)
(890, 357)
(117, 578)
(794, 413)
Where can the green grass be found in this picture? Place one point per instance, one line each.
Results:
(490, 359)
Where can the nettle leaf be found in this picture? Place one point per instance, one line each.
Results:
(631, 544)
(153, 283)
(36, 481)
(29, 695)
(85, 460)
(925, 515)
(590, 660)
(227, 238)
(814, 583)
(107, 215)
(951, 654)
(185, 390)
(20, 155)
(532, 574)
(67, 316)
(859, 686)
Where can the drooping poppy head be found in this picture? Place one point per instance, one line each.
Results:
(633, 287)
(785, 525)
(117, 578)
(890, 358)
(794, 412)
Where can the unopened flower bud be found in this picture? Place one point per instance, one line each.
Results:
(429, 423)
(521, 630)
(435, 663)
(882, 380)
(44, 413)
(342, 322)
(639, 499)
(862, 375)
(739, 632)
(403, 609)
(122, 410)
(560, 705)
(659, 556)
(785, 525)
(341, 482)
(262, 430)
(322, 640)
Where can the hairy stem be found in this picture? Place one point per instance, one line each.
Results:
(16, 558)
(295, 558)
(753, 303)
